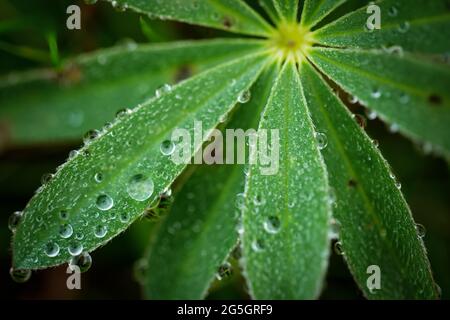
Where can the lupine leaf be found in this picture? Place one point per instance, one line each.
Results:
(231, 15)
(420, 27)
(315, 10)
(108, 183)
(286, 212)
(409, 93)
(287, 9)
(44, 107)
(374, 223)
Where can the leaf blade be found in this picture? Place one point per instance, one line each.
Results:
(315, 11)
(376, 226)
(402, 90)
(127, 151)
(230, 15)
(291, 205)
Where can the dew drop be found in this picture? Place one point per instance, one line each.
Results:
(240, 201)
(225, 270)
(353, 99)
(244, 96)
(104, 202)
(51, 249)
(83, 261)
(258, 245)
(167, 147)
(140, 187)
(90, 136)
(376, 93)
(334, 230)
(371, 115)
(421, 231)
(165, 88)
(404, 27)
(124, 217)
(63, 215)
(404, 98)
(258, 200)
(65, 231)
(98, 177)
(100, 231)
(75, 248)
(123, 113)
(393, 11)
(46, 178)
(79, 236)
(14, 220)
(20, 275)
(393, 128)
(338, 248)
(322, 140)
(272, 225)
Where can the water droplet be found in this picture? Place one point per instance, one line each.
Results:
(51, 249)
(98, 177)
(334, 230)
(123, 113)
(258, 245)
(259, 200)
(375, 143)
(46, 178)
(244, 96)
(100, 231)
(167, 147)
(362, 122)
(124, 217)
(65, 231)
(353, 99)
(371, 115)
(20, 276)
(104, 202)
(393, 128)
(64, 215)
(140, 187)
(83, 261)
(14, 220)
(140, 269)
(75, 248)
(421, 231)
(272, 224)
(90, 136)
(322, 140)
(73, 154)
(404, 27)
(404, 98)
(338, 248)
(393, 11)
(225, 270)
(79, 236)
(240, 201)
(394, 50)
(162, 90)
(376, 93)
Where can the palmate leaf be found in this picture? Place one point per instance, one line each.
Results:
(92, 88)
(287, 9)
(200, 229)
(374, 225)
(286, 215)
(108, 184)
(231, 15)
(422, 26)
(409, 93)
(315, 10)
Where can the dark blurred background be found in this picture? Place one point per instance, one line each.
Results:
(27, 26)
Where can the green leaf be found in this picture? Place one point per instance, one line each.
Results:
(108, 183)
(200, 230)
(374, 222)
(286, 212)
(269, 8)
(422, 27)
(287, 9)
(315, 10)
(230, 15)
(47, 107)
(409, 93)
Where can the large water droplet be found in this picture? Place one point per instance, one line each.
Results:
(75, 248)
(322, 140)
(14, 220)
(83, 261)
(167, 147)
(20, 276)
(244, 96)
(65, 231)
(100, 231)
(272, 224)
(51, 249)
(104, 202)
(140, 187)
(421, 231)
